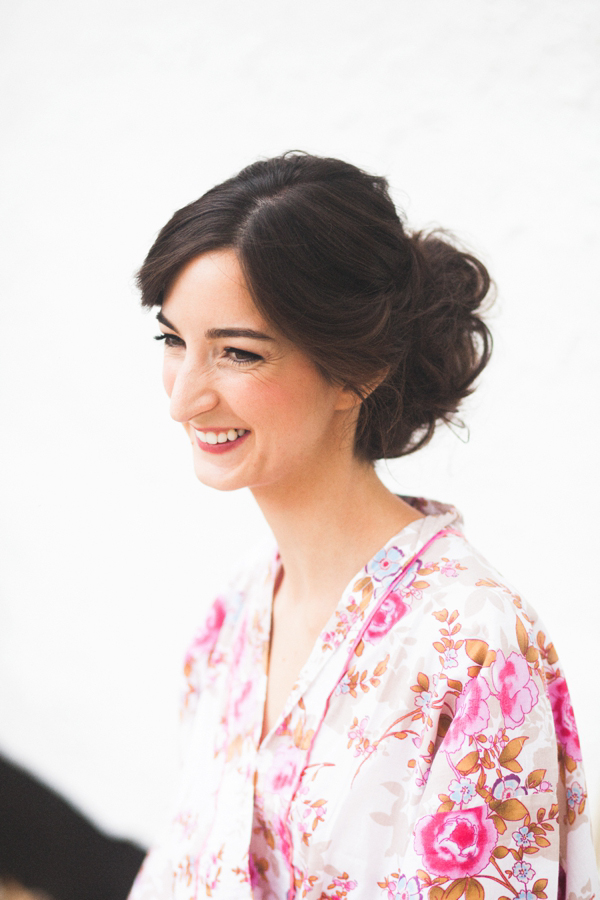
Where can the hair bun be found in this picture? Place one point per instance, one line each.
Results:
(443, 342)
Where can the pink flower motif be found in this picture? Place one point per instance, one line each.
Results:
(449, 568)
(345, 884)
(206, 638)
(390, 610)
(513, 686)
(284, 770)
(285, 844)
(564, 718)
(471, 715)
(456, 843)
(358, 732)
(241, 695)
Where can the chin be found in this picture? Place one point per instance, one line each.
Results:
(220, 483)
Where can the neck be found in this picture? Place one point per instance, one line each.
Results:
(329, 528)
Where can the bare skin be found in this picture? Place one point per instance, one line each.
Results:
(324, 539)
(226, 368)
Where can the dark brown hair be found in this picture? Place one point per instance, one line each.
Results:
(330, 265)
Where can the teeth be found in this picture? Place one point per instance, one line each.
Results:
(220, 437)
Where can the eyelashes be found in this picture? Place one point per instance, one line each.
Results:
(234, 354)
(241, 357)
(170, 340)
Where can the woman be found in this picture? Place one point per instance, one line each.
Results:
(370, 709)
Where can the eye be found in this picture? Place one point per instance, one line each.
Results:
(171, 340)
(241, 357)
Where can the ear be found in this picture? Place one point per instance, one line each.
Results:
(349, 399)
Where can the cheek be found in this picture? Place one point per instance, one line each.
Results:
(287, 405)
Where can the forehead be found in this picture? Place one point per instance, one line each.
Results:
(209, 286)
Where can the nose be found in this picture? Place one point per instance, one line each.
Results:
(190, 391)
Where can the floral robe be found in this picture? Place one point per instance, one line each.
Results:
(428, 750)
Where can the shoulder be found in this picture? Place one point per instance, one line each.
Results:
(460, 583)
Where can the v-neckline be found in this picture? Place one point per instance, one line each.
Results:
(346, 611)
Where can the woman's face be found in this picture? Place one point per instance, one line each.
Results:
(257, 411)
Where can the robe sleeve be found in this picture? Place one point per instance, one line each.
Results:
(511, 817)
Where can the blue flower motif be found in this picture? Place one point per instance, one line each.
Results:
(461, 791)
(407, 890)
(523, 871)
(574, 795)
(505, 788)
(450, 658)
(424, 700)
(386, 564)
(523, 837)
(526, 895)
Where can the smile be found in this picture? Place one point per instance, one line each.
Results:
(220, 441)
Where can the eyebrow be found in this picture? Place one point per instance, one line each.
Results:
(214, 334)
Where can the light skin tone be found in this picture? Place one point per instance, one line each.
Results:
(227, 370)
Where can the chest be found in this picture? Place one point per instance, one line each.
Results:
(293, 637)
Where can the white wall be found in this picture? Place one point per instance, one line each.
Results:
(116, 112)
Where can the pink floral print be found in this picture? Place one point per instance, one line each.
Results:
(390, 611)
(514, 687)
(456, 843)
(428, 750)
(472, 714)
(564, 717)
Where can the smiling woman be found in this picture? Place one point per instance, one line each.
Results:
(260, 402)
(372, 710)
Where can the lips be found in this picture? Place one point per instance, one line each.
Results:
(220, 441)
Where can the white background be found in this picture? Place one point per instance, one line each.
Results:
(484, 115)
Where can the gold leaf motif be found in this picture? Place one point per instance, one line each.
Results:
(446, 807)
(534, 779)
(468, 763)
(361, 583)
(423, 681)
(477, 651)
(512, 750)
(499, 823)
(382, 666)
(522, 638)
(570, 763)
(512, 809)
(455, 890)
(474, 890)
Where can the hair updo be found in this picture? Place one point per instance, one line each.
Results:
(330, 265)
